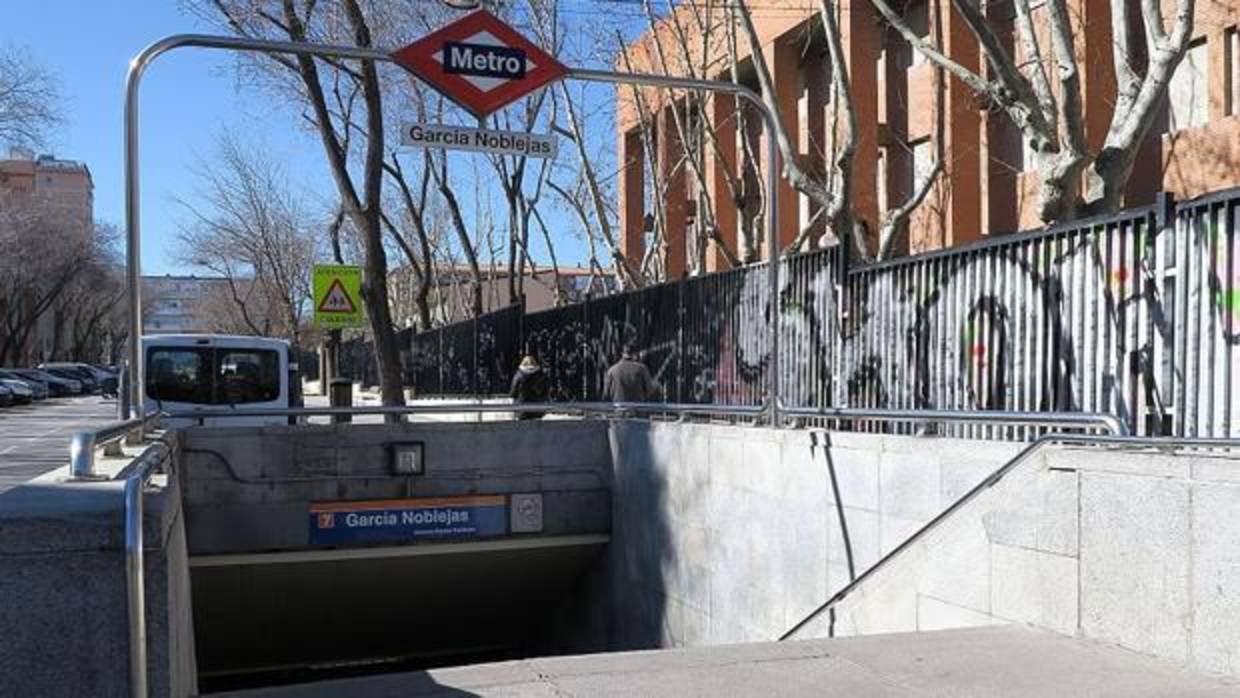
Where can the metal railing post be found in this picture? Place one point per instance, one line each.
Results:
(136, 584)
(82, 456)
(772, 241)
(123, 398)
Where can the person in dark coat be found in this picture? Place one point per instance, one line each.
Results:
(529, 384)
(628, 380)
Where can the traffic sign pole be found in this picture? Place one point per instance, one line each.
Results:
(132, 178)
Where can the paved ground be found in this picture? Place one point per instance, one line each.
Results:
(35, 438)
(995, 662)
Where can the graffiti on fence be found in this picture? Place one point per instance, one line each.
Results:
(1048, 323)
(1123, 315)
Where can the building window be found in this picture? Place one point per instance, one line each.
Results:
(1231, 59)
(918, 18)
(880, 185)
(1188, 94)
(923, 160)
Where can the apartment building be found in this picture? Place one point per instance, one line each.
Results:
(175, 304)
(988, 186)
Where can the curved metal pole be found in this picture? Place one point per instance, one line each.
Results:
(133, 211)
(135, 576)
(133, 214)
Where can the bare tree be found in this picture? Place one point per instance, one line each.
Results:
(626, 272)
(413, 233)
(1051, 119)
(439, 171)
(47, 250)
(29, 99)
(656, 254)
(255, 233)
(694, 132)
(89, 313)
(833, 192)
(361, 192)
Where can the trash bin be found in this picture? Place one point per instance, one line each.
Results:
(340, 394)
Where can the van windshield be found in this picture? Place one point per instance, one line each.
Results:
(212, 376)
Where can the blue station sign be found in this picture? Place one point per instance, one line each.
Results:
(408, 519)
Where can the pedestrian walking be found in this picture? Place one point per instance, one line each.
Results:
(529, 384)
(628, 380)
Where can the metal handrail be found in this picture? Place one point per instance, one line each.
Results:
(83, 444)
(135, 580)
(582, 408)
(1099, 420)
(992, 479)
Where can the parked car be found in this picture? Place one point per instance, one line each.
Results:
(77, 372)
(105, 380)
(38, 389)
(57, 386)
(6, 396)
(22, 394)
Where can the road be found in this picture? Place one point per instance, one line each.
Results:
(35, 438)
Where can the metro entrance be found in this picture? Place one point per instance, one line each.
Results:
(477, 88)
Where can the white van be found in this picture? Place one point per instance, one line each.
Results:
(219, 373)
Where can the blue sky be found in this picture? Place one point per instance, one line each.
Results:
(188, 96)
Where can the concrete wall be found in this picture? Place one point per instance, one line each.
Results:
(247, 488)
(62, 577)
(733, 534)
(1139, 549)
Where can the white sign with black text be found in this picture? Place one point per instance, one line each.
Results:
(535, 145)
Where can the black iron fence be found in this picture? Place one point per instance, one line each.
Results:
(471, 358)
(1136, 314)
(703, 339)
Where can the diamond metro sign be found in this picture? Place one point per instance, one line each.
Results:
(480, 63)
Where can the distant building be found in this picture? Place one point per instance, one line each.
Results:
(64, 185)
(171, 304)
(452, 295)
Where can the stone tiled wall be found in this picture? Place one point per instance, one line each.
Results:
(734, 534)
(1132, 548)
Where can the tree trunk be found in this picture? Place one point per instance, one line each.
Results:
(366, 215)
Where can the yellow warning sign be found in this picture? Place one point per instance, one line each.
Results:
(337, 296)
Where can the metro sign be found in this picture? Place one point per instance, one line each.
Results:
(480, 63)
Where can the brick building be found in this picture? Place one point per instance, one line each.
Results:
(181, 304)
(987, 187)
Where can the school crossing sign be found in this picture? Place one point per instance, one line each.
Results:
(337, 296)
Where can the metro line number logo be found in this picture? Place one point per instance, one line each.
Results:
(460, 58)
